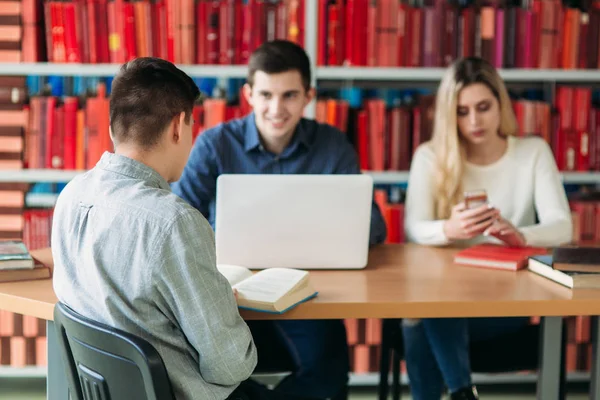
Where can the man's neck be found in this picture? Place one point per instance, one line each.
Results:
(487, 153)
(151, 159)
(277, 145)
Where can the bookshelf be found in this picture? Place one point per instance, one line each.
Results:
(340, 76)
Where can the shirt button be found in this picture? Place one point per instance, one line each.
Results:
(261, 148)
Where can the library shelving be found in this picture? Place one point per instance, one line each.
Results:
(338, 75)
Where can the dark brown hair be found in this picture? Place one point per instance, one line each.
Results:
(279, 56)
(146, 94)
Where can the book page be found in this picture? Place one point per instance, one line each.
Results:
(234, 273)
(271, 284)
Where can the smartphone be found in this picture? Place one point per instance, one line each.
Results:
(475, 198)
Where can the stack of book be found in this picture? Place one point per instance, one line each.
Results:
(16, 264)
(574, 267)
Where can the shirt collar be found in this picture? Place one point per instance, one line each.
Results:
(132, 168)
(252, 138)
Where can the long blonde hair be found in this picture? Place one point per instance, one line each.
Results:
(446, 142)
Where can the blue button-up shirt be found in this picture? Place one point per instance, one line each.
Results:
(235, 148)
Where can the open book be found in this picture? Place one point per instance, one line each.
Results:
(273, 290)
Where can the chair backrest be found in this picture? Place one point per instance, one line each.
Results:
(104, 363)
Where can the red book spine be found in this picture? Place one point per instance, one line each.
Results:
(70, 129)
(70, 33)
(171, 27)
(212, 33)
(372, 12)
(581, 121)
(247, 30)
(238, 32)
(129, 29)
(322, 33)
(363, 139)
(201, 32)
(226, 32)
(333, 21)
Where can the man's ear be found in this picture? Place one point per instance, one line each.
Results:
(248, 93)
(310, 95)
(177, 125)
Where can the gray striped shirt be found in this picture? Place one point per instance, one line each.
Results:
(131, 254)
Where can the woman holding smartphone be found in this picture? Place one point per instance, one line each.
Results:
(474, 149)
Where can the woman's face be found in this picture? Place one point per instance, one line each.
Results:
(478, 114)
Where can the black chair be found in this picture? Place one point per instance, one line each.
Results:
(515, 352)
(104, 363)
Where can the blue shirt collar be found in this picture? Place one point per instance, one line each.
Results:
(252, 138)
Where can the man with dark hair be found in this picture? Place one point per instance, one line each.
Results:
(131, 254)
(276, 139)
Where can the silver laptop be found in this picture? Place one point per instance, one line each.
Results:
(293, 221)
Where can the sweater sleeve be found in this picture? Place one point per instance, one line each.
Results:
(555, 226)
(420, 224)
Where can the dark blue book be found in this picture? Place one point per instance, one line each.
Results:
(543, 265)
(14, 255)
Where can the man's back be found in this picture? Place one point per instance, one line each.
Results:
(131, 254)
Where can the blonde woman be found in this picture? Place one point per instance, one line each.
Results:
(474, 147)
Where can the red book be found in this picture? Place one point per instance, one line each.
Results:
(497, 256)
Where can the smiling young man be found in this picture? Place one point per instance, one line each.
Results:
(276, 139)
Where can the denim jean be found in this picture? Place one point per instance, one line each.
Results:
(315, 351)
(437, 350)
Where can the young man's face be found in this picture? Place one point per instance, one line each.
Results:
(278, 101)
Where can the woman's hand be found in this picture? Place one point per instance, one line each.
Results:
(502, 229)
(466, 224)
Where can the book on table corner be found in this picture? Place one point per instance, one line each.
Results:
(576, 259)
(39, 271)
(497, 256)
(272, 290)
(14, 255)
(543, 265)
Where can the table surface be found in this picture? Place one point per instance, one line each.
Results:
(400, 281)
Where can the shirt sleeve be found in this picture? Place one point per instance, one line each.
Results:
(202, 301)
(349, 165)
(555, 226)
(419, 209)
(198, 183)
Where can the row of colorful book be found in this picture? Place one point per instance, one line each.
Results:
(387, 131)
(71, 131)
(529, 34)
(181, 31)
(536, 34)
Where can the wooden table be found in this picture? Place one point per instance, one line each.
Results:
(400, 281)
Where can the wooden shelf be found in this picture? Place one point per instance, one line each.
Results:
(76, 69)
(394, 177)
(383, 177)
(329, 73)
(38, 175)
(435, 74)
(23, 372)
(40, 200)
